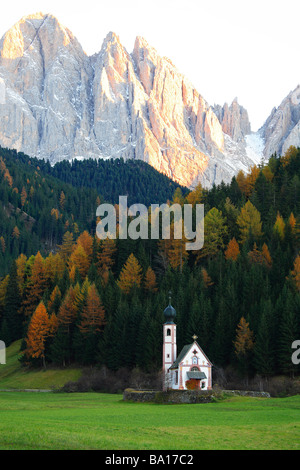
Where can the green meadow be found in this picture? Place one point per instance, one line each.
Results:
(32, 420)
(63, 421)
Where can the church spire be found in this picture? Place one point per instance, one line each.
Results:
(170, 312)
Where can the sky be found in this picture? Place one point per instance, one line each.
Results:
(226, 48)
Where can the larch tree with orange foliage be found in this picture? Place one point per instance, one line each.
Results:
(38, 331)
(295, 273)
(150, 284)
(243, 344)
(233, 250)
(105, 258)
(80, 260)
(131, 275)
(86, 241)
(68, 311)
(206, 278)
(93, 314)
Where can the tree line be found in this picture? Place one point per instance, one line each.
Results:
(101, 302)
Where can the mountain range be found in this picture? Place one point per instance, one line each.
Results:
(58, 103)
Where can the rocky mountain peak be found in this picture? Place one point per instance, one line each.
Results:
(62, 104)
(282, 128)
(234, 120)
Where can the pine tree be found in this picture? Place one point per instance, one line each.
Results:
(215, 231)
(35, 286)
(12, 316)
(264, 354)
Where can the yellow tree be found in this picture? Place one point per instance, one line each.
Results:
(249, 221)
(79, 259)
(279, 226)
(195, 196)
(131, 275)
(177, 253)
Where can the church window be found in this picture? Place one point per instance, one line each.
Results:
(195, 360)
(168, 332)
(176, 377)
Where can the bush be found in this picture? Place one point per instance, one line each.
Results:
(108, 381)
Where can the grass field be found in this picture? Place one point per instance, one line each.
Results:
(32, 420)
(58, 421)
(13, 375)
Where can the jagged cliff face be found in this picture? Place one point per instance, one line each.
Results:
(62, 104)
(282, 128)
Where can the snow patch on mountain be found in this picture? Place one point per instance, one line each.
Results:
(255, 145)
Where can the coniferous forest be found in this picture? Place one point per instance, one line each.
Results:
(75, 299)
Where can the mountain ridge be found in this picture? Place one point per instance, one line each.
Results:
(61, 104)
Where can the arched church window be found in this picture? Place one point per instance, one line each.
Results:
(194, 369)
(168, 332)
(195, 360)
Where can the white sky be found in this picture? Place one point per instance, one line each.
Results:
(226, 48)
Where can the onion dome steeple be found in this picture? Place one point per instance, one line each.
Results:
(170, 312)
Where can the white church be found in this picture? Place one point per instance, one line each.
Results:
(190, 364)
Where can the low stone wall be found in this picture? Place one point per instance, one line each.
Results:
(185, 396)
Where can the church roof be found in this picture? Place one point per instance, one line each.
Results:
(181, 356)
(184, 352)
(193, 374)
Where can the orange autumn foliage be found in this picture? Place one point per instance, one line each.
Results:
(150, 281)
(244, 338)
(233, 250)
(93, 315)
(38, 331)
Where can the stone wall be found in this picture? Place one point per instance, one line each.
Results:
(185, 396)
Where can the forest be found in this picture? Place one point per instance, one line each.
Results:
(75, 299)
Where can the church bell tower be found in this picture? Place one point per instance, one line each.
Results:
(169, 344)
